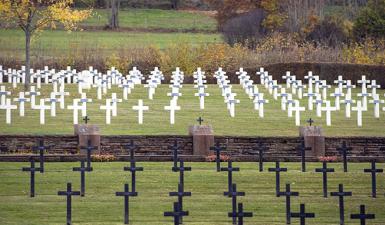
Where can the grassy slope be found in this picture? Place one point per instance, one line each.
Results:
(155, 19)
(156, 120)
(206, 206)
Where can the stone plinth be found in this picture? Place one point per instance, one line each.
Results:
(315, 139)
(87, 132)
(203, 139)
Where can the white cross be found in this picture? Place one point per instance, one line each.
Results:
(300, 88)
(324, 86)
(53, 100)
(33, 93)
(374, 87)
(318, 101)
(42, 107)
(348, 102)
(202, 96)
(21, 99)
(349, 87)
(3, 94)
(126, 88)
(290, 103)
(8, 107)
(310, 78)
(84, 100)
(108, 107)
(114, 101)
(75, 107)
(340, 83)
(172, 108)
(310, 99)
(359, 110)
(140, 108)
(363, 83)
(61, 95)
(231, 101)
(328, 109)
(337, 94)
(376, 101)
(298, 111)
(287, 77)
(364, 96)
(261, 103)
(283, 98)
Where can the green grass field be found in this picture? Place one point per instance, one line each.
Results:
(156, 120)
(206, 206)
(155, 19)
(56, 43)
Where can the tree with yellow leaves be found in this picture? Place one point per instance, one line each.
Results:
(33, 16)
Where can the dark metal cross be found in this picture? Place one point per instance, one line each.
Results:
(310, 121)
(126, 194)
(200, 120)
(277, 171)
(86, 119)
(240, 214)
(181, 170)
(32, 170)
(41, 149)
(324, 170)
(302, 150)
(177, 213)
(362, 216)
(69, 194)
(133, 169)
(218, 148)
(373, 171)
(288, 193)
(302, 214)
(233, 194)
(175, 149)
(131, 147)
(344, 151)
(82, 171)
(89, 148)
(341, 194)
(230, 169)
(180, 194)
(261, 150)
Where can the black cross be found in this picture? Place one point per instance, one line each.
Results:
(362, 216)
(310, 121)
(126, 193)
(302, 215)
(341, 194)
(324, 170)
(89, 148)
(261, 150)
(131, 147)
(288, 193)
(240, 214)
(302, 149)
(277, 171)
(41, 149)
(373, 171)
(32, 169)
(181, 170)
(344, 151)
(175, 149)
(177, 213)
(69, 194)
(230, 169)
(133, 170)
(200, 120)
(180, 194)
(82, 171)
(86, 119)
(217, 148)
(233, 194)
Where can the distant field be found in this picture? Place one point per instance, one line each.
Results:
(207, 205)
(156, 19)
(55, 43)
(156, 120)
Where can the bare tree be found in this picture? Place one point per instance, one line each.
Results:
(175, 4)
(113, 6)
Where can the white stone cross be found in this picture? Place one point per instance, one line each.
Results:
(364, 96)
(75, 107)
(140, 108)
(8, 107)
(202, 95)
(310, 99)
(283, 95)
(359, 110)
(310, 78)
(275, 87)
(84, 100)
(174, 95)
(260, 101)
(328, 109)
(3, 94)
(290, 103)
(363, 83)
(324, 86)
(53, 100)
(298, 109)
(231, 101)
(33, 93)
(374, 87)
(337, 95)
(318, 102)
(376, 101)
(349, 87)
(108, 107)
(348, 101)
(42, 107)
(126, 89)
(114, 101)
(287, 77)
(21, 99)
(340, 83)
(172, 108)
(61, 95)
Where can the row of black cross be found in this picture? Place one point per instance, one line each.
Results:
(232, 191)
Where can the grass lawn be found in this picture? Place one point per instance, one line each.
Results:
(156, 120)
(56, 43)
(155, 19)
(207, 205)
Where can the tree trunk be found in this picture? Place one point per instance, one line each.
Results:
(27, 58)
(175, 4)
(114, 20)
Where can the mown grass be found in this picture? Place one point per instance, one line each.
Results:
(156, 120)
(207, 205)
(155, 19)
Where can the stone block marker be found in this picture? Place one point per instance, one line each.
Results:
(314, 138)
(203, 139)
(87, 132)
